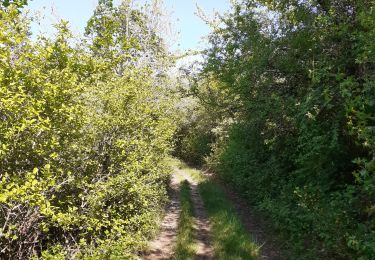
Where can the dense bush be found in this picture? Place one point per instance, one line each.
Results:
(300, 79)
(193, 139)
(82, 142)
(204, 111)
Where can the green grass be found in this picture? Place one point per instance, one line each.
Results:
(185, 246)
(194, 173)
(173, 162)
(230, 239)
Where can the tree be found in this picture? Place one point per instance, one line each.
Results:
(300, 75)
(82, 145)
(18, 3)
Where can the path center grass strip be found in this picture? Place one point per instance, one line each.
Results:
(185, 246)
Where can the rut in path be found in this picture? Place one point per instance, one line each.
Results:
(202, 225)
(163, 246)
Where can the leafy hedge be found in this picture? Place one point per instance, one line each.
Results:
(81, 145)
(300, 144)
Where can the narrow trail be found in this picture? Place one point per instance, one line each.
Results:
(163, 246)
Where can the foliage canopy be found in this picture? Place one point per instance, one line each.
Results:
(84, 130)
(294, 132)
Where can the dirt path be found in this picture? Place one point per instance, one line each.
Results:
(163, 246)
(202, 225)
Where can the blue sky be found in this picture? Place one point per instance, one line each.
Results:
(77, 12)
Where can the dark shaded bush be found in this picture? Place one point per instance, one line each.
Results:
(301, 145)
